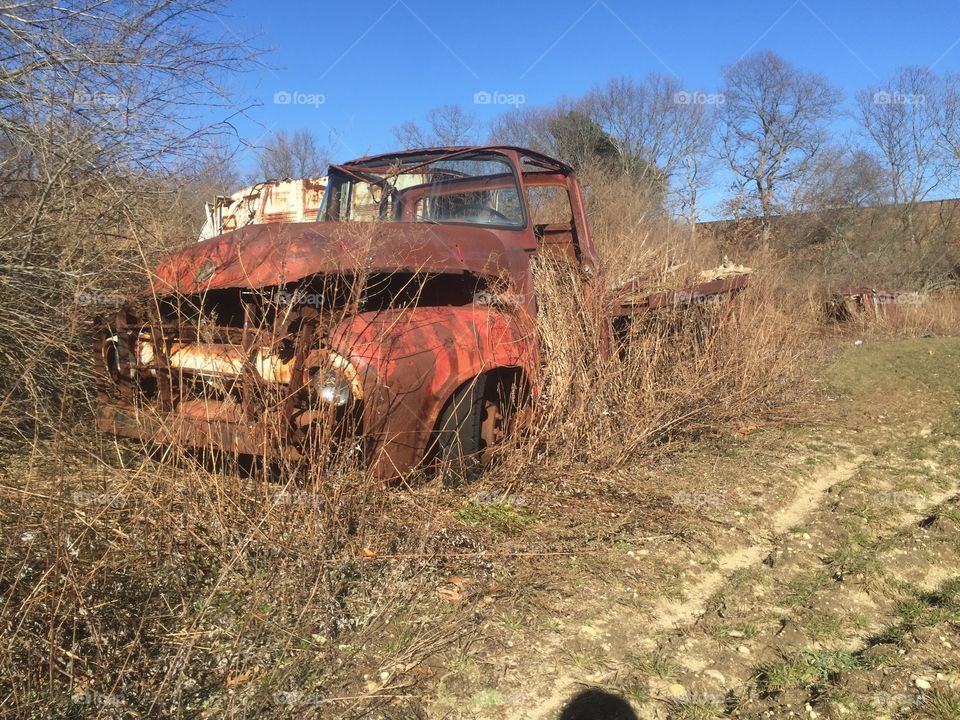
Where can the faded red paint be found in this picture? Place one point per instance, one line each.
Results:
(274, 254)
(409, 360)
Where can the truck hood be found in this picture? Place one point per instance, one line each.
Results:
(275, 254)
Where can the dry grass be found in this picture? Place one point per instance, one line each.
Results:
(154, 584)
(675, 373)
(937, 315)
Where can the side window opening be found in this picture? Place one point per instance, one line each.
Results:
(551, 214)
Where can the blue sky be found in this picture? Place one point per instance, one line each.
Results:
(361, 68)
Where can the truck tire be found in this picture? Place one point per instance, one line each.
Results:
(459, 441)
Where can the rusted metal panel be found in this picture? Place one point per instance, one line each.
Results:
(633, 300)
(271, 201)
(869, 303)
(230, 379)
(273, 255)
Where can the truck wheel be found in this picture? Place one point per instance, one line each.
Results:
(459, 445)
(472, 425)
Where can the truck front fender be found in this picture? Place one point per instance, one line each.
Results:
(411, 361)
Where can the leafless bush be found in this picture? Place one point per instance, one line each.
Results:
(101, 105)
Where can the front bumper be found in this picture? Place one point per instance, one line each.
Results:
(212, 428)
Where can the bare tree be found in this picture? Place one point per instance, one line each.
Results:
(660, 130)
(773, 119)
(843, 178)
(291, 155)
(532, 127)
(650, 131)
(100, 102)
(654, 122)
(904, 120)
(444, 126)
(948, 120)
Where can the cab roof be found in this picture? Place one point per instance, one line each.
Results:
(427, 155)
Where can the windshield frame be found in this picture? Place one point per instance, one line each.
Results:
(383, 171)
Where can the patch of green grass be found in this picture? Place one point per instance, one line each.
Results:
(500, 517)
(401, 641)
(512, 622)
(882, 660)
(825, 626)
(589, 661)
(952, 514)
(800, 590)
(931, 608)
(806, 668)
(488, 697)
(694, 709)
(941, 705)
(858, 556)
(721, 632)
(636, 692)
(653, 663)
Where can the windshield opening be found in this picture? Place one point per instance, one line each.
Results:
(479, 189)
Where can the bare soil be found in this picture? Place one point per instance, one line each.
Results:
(805, 571)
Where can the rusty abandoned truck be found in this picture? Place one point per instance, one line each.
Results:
(400, 325)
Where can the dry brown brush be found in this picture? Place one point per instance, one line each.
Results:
(611, 395)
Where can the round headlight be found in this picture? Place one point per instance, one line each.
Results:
(330, 386)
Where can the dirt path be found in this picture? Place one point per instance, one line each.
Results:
(821, 584)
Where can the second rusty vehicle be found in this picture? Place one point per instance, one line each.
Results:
(400, 325)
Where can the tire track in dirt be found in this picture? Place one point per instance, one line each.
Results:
(667, 614)
(809, 495)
